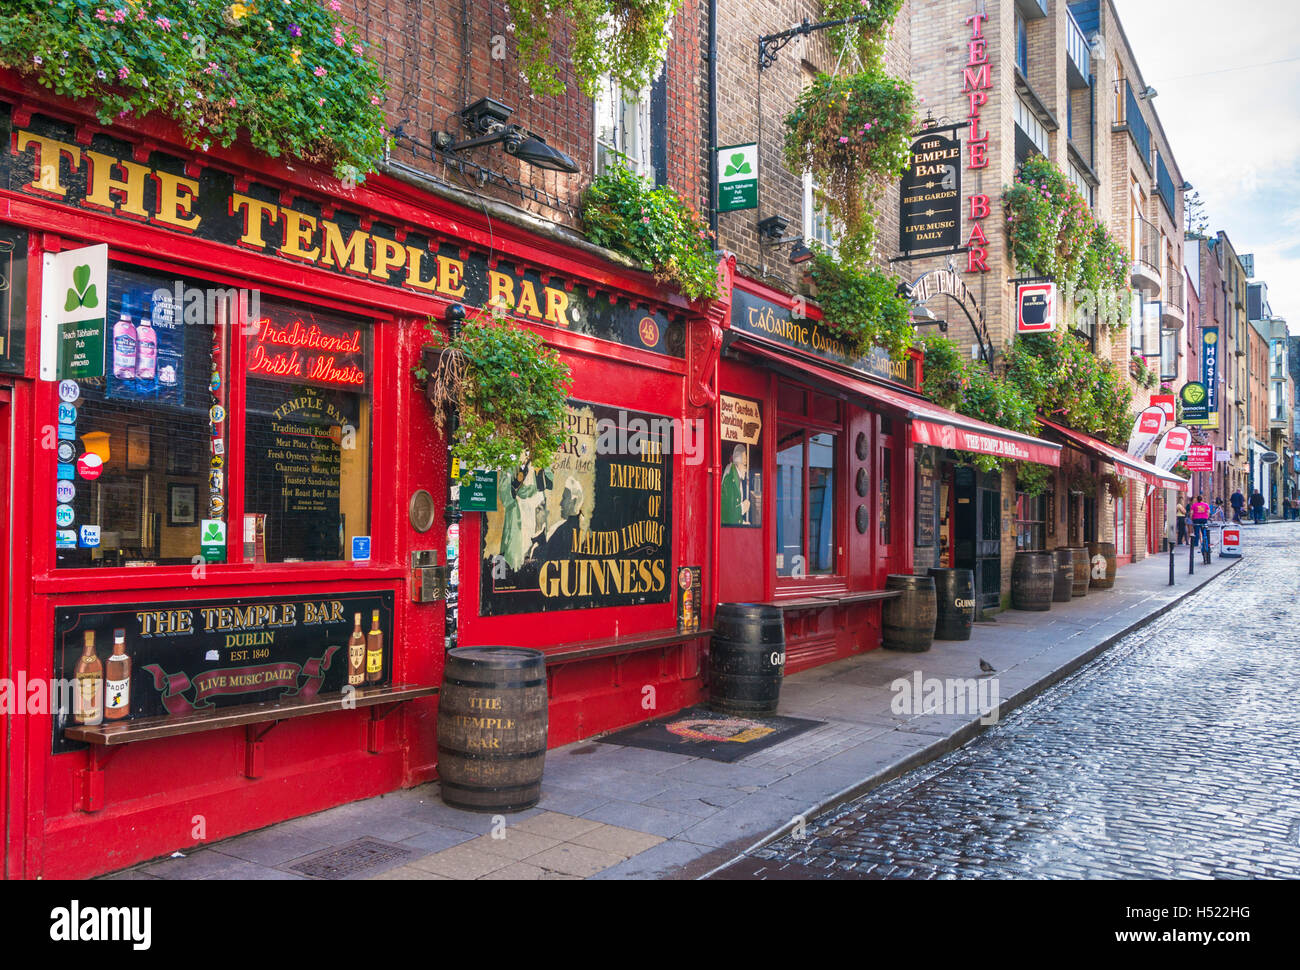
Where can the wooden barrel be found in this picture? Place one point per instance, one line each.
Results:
(1082, 571)
(1102, 573)
(1063, 577)
(1032, 580)
(908, 620)
(746, 659)
(492, 728)
(954, 594)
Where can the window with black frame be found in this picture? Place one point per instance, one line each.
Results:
(807, 444)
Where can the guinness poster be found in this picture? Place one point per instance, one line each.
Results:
(184, 658)
(930, 200)
(594, 529)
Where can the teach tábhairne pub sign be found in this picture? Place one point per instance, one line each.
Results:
(737, 177)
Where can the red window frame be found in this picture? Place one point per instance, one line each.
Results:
(808, 427)
(51, 578)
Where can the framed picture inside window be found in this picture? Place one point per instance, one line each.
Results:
(182, 504)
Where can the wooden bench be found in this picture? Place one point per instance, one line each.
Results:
(610, 646)
(257, 720)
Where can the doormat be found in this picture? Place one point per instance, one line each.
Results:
(702, 733)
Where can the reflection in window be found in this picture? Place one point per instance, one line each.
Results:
(141, 449)
(789, 501)
(821, 503)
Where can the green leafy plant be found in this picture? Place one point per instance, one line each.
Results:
(853, 132)
(862, 307)
(1081, 480)
(1032, 478)
(288, 74)
(959, 384)
(1115, 485)
(1052, 233)
(866, 38)
(1068, 383)
(625, 40)
(509, 388)
(653, 226)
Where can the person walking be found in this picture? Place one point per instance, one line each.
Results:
(1238, 503)
(1257, 507)
(1182, 522)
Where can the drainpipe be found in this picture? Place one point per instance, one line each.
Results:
(713, 118)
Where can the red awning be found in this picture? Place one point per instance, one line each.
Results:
(1127, 466)
(931, 424)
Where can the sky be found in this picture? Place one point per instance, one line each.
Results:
(1228, 83)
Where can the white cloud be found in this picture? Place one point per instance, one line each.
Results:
(1229, 100)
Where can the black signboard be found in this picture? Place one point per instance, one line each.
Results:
(13, 300)
(203, 656)
(594, 529)
(926, 487)
(752, 314)
(930, 199)
(212, 205)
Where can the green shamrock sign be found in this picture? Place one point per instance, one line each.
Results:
(738, 165)
(82, 292)
(213, 533)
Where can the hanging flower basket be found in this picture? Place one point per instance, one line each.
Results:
(853, 133)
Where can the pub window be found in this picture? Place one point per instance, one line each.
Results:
(807, 443)
(145, 464)
(307, 434)
(1031, 521)
(137, 445)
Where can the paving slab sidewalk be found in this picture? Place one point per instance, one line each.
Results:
(614, 812)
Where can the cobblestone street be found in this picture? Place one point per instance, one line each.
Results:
(1172, 755)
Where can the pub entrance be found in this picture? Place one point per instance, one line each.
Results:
(977, 541)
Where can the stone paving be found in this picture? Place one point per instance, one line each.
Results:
(611, 812)
(1172, 756)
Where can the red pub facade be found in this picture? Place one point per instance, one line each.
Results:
(220, 467)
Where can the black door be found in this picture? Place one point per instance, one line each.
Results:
(977, 530)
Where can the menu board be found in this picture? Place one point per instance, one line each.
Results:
(183, 658)
(594, 529)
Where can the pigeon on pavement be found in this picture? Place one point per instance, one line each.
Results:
(987, 667)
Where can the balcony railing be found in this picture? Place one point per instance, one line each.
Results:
(1148, 246)
(1137, 124)
(1174, 293)
(1079, 64)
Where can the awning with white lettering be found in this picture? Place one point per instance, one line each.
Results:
(1126, 465)
(930, 424)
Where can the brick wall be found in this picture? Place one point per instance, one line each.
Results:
(438, 58)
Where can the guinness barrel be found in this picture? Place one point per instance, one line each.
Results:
(1032, 581)
(1063, 578)
(1102, 556)
(1082, 571)
(492, 728)
(908, 621)
(746, 659)
(954, 594)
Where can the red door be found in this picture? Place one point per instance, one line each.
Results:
(890, 501)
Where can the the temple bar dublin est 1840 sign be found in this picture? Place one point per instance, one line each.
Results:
(191, 657)
(930, 200)
(737, 177)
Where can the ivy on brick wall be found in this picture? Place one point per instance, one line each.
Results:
(624, 40)
(287, 74)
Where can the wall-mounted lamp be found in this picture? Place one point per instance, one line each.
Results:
(488, 119)
(1186, 186)
(771, 232)
(1148, 94)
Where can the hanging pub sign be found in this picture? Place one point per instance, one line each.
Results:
(45, 159)
(155, 659)
(930, 200)
(1196, 404)
(759, 317)
(1036, 307)
(1210, 373)
(13, 300)
(738, 177)
(74, 298)
(594, 529)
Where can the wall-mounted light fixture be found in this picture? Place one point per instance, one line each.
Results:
(489, 121)
(1148, 94)
(771, 232)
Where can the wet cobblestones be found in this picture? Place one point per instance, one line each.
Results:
(1174, 755)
